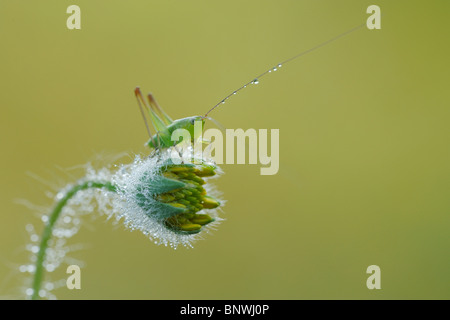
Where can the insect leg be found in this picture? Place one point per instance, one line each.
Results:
(179, 152)
(155, 106)
(158, 138)
(141, 102)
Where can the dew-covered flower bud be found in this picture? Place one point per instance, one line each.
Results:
(171, 203)
(176, 196)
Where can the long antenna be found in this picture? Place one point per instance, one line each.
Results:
(279, 65)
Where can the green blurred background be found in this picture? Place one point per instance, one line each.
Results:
(364, 154)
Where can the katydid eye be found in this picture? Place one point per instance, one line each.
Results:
(192, 121)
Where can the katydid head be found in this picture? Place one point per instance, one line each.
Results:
(189, 124)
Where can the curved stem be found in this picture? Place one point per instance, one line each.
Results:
(46, 235)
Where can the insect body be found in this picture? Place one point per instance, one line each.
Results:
(164, 125)
(163, 138)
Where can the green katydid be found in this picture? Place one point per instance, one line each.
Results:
(163, 124)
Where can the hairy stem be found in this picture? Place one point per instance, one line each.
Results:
(46, 235)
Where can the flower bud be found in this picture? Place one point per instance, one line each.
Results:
(180, 196)
(167, 201)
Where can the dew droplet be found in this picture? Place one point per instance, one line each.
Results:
(256, 81)
(49, 286)
(279, 65)
(275, 69)
(235, 92)
(50, 268)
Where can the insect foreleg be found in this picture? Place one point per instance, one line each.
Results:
(179, 152)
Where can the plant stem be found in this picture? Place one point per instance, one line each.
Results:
(46, 235)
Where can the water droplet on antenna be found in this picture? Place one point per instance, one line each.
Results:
(256, 81)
